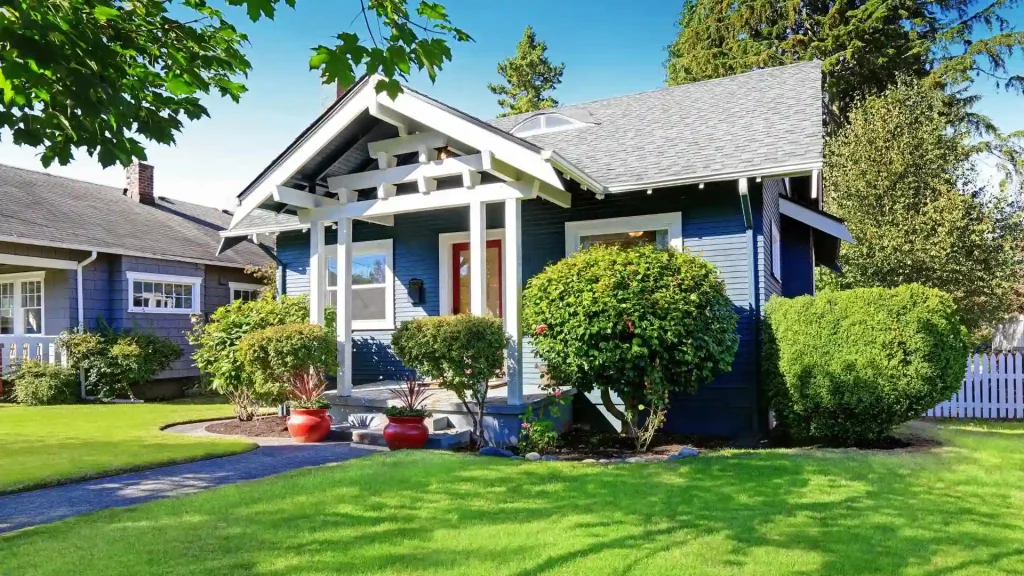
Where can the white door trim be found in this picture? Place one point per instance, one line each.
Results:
(444, 256)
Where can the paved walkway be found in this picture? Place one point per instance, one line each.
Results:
(47, 505)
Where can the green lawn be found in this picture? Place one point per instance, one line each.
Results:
(52, 444)
(955, 510)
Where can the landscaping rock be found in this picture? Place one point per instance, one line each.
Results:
(635, 460)
(533, 456)
(589, 461)
(495, 451)
(550, 458)
(604, 461)
(687, 452)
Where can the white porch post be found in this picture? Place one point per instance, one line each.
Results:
(513, 275)
(317, 272)
(344, 307)
(477, 257)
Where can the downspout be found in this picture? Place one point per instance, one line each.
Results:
(81, 313)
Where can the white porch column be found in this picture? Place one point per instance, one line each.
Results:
(344, 307)
(317, 272)
(513, 274)
(477, 258)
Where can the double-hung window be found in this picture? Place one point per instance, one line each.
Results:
(244, 292)
(373, 285)
(21, 303)
(163, 294)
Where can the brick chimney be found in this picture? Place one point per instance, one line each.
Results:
(139, 183)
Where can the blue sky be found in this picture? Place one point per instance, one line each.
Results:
(609, 47)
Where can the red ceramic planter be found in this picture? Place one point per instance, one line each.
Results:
(405, 433)
(309, 425)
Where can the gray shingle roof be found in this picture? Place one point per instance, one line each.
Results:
(758, 120)
(40, 207)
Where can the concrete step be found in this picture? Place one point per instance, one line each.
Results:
(378, 420)
(446, 440)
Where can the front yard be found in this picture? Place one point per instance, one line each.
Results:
(949, 510)
(52, 444)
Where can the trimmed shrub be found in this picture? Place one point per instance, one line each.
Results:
(275, 357)
(114, 361)
(461, 353)
(39, 384)
(846, 368)
(217, 342)
(641, 321)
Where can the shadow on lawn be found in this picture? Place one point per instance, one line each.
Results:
(857, 513)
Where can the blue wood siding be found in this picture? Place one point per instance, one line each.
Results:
(797, 259)
(713, 228)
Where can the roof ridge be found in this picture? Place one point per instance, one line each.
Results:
(650, 91)
(52, 175)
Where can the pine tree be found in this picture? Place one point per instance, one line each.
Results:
(529, 76)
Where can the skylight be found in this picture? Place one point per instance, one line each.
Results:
(543, 123)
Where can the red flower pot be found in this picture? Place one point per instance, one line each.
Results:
(406, 433)
(309, 425)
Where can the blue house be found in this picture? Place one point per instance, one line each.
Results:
(391, 209)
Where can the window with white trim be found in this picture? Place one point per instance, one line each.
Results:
(163, 294)
(662, 229)
(244, 292)
(776, 251)
(373, 285)
(543, 123)
(22, 304)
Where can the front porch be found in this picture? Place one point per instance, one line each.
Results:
(502, 419)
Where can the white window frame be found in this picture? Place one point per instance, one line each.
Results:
(776, 251)
(574, 123)
(669, 221)
(232, 286)
(195, 281)
(444, 255)
(387, 247)
(19, 313)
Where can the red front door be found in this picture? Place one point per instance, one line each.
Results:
(460, 278)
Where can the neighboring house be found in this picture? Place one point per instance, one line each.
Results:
(439, 212)
(74, 252)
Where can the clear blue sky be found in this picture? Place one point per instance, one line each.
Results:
(609, 47)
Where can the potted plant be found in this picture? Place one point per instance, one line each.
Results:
(405, 428)
(309, 420)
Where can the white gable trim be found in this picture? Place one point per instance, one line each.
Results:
(815, 220)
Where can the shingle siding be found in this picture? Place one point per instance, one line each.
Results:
(712, 228)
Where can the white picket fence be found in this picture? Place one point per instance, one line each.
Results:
(16, 349)
(993, 388)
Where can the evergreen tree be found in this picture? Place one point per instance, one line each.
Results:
(906, 185)
(529, 76)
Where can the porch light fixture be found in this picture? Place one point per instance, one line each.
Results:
(634, 234)
(415, 290)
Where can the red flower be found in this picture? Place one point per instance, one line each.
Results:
(629, 323)
(526, 425)
(542, 329)
(557, 393)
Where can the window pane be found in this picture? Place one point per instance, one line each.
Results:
(552, 121)
(188, 293)
(31, 294)
(368, 269)
(138, 301)
(369, 304)
(332, 299)
(7, 295)
(493, 287)
(332, 271)
(6, 321)
(531, 125)
(659, 237)
(33, 321)
(186, 303)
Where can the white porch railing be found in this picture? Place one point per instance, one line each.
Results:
(993, 387)
(16, 349)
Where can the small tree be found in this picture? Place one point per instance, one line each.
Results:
(642, 322)
(528, 75)
(284, 357)
(462, 353)
(217, 342)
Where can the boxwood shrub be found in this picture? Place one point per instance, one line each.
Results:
(39, 384)
(275, 356)
(846, 368)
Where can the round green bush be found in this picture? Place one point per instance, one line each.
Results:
(642, 322)
(846, 368)
(41, 384)
(273, 357)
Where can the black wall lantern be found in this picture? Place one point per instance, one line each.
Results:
(415, 288)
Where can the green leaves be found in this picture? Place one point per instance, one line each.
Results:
(529, 75)
(105, 12)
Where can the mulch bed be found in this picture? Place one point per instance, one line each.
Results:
(263, 427)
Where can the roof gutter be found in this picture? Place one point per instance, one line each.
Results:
(262, 230)
(571, 171)
(773, 172)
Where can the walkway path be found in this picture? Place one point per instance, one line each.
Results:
(272, 457)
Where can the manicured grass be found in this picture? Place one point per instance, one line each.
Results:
(53, 444)
(952, 510)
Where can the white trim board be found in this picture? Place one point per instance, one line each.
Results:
(444, 258)
(815, 220)
(15, 260)
(19, 314)
(670, 221)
